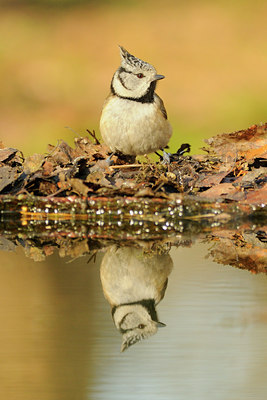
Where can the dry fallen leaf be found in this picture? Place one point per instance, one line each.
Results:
(33, 163)
(233, 169)
(7, 176)
(7, 153)
(247, 143)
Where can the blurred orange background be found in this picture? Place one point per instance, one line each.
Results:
(58, 57)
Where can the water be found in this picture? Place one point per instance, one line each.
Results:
(58, 339)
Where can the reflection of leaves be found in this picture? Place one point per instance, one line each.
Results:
(74, 248)
(35, 253)
(6, 245)
(243, 249)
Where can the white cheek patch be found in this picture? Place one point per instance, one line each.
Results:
(119, 88)
(130, 86)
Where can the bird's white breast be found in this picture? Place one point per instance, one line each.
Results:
(133, 127)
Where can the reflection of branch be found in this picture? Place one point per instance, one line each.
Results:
(92, 257)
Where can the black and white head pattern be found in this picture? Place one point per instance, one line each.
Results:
(135, 79)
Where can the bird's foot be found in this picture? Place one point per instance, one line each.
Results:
(167, 158)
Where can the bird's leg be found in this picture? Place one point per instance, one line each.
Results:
(109, 161)
(159, 155)
(166, 159)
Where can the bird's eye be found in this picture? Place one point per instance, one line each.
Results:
(141, 326)
(140, 76)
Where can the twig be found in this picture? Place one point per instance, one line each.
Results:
(56, 193)
(124, 166)
(92, 133)
(70, 128)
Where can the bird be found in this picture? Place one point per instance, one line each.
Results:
(134, 283)
(134, 120)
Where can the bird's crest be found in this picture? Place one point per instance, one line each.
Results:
(128, 59)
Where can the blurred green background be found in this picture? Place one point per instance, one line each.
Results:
(58, 57)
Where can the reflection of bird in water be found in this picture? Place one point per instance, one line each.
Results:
(133, 284)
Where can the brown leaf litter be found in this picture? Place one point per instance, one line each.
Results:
(233, 169)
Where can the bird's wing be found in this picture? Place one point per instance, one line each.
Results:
(160, 103)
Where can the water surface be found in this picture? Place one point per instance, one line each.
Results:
(58, 339)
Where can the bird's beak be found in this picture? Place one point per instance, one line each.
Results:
(158, 77)
(160, 324)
